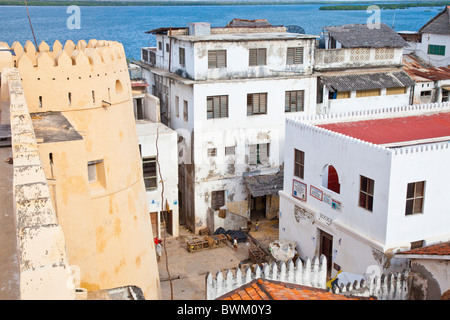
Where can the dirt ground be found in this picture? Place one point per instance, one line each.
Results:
(188, 270)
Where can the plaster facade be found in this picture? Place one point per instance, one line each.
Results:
(322, 220)
(96, 174)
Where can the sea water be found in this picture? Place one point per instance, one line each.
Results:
(128, 24)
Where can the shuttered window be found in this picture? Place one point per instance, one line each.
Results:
(177, 106)
(217, 107)
(437, 50)
(294, 55)
(259, 154)
(257, 57)
(149, 171)
(398, 90)
(368, 93)
(342, 94)
(212, 152)
(217, 59)
(182, 57)
(294, 101)
(256, 103)
(217, 199)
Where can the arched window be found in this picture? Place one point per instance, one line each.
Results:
(330, 179)
(119, 87)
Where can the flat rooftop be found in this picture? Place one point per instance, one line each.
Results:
(244, 37)
(393, 132)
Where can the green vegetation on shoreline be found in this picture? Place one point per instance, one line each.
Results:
(387, 6)
(334, 5)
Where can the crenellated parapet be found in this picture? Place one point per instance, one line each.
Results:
(309, 125)
(72, 76)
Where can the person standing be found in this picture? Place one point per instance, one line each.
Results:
(235, 245)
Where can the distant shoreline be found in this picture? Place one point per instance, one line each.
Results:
(336, 5)
(387, 6)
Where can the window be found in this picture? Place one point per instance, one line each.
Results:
(425, 93)
(93, 170)
(437, 50)
(182, 57)
(160, 45)
(396, 90)
(330, 179)
(299, 163)
(366, 193)
(212, 152)
(177, 106)
(257, 57)
(185, 110)
(417, 244)
(414, 197)
(217, 107)
(259, 154)
(217, 59)
(256, 103)
(294, 101)
(294, 55)
(217, 199)
(149, 170)
(230, 150)
(368, 93)
(167, 47)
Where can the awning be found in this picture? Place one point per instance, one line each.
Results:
(264, 184)
(367, 81)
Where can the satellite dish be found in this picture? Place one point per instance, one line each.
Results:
(295, 29)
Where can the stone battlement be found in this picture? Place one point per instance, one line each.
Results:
(73, 76)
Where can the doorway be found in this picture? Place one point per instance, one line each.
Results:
(326, 248)
(258, 208)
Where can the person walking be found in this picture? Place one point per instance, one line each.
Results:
(235, 245)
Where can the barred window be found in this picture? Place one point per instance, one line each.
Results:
(217, 59)
(182, 57)
(257, 57)
(294, 101)
(294, 55)
(256, 103)
(217, 107)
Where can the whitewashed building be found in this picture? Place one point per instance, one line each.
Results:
(360, 186)
(432, 42)
(227, 92)
(159, 152)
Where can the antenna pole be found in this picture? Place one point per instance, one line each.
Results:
(32, 31)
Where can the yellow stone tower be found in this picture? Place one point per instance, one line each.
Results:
(80, 101)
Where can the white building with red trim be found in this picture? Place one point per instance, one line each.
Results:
(360, 186)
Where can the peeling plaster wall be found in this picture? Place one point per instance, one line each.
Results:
(43, 260)
(431, 278)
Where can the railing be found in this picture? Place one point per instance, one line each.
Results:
(355, 57)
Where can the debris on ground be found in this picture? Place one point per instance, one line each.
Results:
(283, 250)
(231, 234)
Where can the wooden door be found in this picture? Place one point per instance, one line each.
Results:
(326, 248)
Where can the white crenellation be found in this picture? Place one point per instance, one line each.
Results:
(311, 273)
